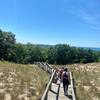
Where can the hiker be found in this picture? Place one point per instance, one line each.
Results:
(56, 76)
(60, 73)
(65, 80)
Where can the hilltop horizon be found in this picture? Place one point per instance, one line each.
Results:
(57, 44)
(47, 45)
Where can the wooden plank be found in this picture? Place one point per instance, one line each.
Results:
(52, 95)
(61, 93)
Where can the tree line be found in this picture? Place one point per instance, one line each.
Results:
(12, 51)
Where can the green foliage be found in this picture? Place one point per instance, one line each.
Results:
(64, 54)
(7, 41)
(57, 54)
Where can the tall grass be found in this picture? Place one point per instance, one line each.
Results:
(87, 79)
(22, 81)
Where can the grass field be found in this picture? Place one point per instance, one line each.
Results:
(87, 79)
(21, 82)
(27, 82)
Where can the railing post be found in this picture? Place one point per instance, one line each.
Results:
(50, 86)
(72, 86)
(46, 97)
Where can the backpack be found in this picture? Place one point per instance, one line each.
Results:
(65, 76)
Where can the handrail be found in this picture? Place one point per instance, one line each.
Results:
(45, 95)
(72, 86)
(45, 67)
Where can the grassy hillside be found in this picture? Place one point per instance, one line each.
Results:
(21, 82)
(87, 79)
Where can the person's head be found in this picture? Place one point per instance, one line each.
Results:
(62, 68)
(66, 69)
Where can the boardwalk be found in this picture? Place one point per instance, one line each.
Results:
(62, 96)
(54, 91)
(52, 95)
(57, 93)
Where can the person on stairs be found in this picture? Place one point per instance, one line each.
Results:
(65, 80)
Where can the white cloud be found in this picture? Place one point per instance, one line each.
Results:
(91, 20)
(87, 14)
(95, 27)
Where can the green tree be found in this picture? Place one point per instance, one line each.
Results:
(7, 41)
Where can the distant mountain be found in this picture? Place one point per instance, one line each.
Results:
(44, 45)
(92, 48)
(96, 49)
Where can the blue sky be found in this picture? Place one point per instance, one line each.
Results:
(75, 22)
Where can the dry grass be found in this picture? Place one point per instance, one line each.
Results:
(21, 82)
(87, 79)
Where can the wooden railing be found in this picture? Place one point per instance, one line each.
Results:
(48, 88)
(72, 86)
(45, 66)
